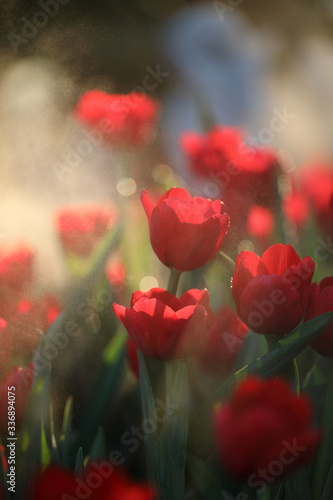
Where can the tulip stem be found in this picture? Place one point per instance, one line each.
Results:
(325, 445)
(173, 281)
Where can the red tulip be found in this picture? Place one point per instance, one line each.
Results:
(20, 380)
(296, 208)
(264, 431)
(321, 301)
(101, 481)
(116, 273)
(25, 324)
(81, 227)
(223, 342)
(118, 120)
(165, 327)
(270, 293)
(185, 232)
(16, 269)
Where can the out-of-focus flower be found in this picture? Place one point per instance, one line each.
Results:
(321, 301)
(120, 120)
(264, 431)
(26, 321)
(185, 232)
(317, 185)
(16, 269)
(116, 273)
(296, 208)
(165, 327)
(271, 292)
(242, 175)
(223, 342)
(101, 481)
(80, 227)
(260, 222)
(19, 382)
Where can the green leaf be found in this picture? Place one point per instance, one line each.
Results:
(30, 443)
(297, 485)
(205, 478)
(268, 365)
(105, 388)
(173, 438)
(97, 449)
(148, 410)
(328, 486)
(79, 464)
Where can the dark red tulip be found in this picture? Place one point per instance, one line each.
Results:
(264, 431)
(223, 342)
(165, 327)
(185, 232)
(271, 292)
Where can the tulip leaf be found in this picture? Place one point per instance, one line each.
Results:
(148, 410)
(328, 486)
(297, 485)
(266, 366)
(205, 478)
(173, 438)
(97, 449)
(105, 387)
(79, 463)
(30, 444)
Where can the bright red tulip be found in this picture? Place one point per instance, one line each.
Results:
(165, 327)
(118, 120)
(264, 432)
(271, 292)
(223, 342)
(321, 301)
(185, 232)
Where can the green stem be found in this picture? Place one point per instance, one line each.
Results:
(320, 466)
(173, 281)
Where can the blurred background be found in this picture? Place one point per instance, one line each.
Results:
(235, 62)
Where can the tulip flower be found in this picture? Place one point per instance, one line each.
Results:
(264, 431)
(101, 481)
(118, 120)
(81, 227)
(321, 301)
(16, 269)
(185, 232)
(165, 327)
(271, 292)
(223, 342)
